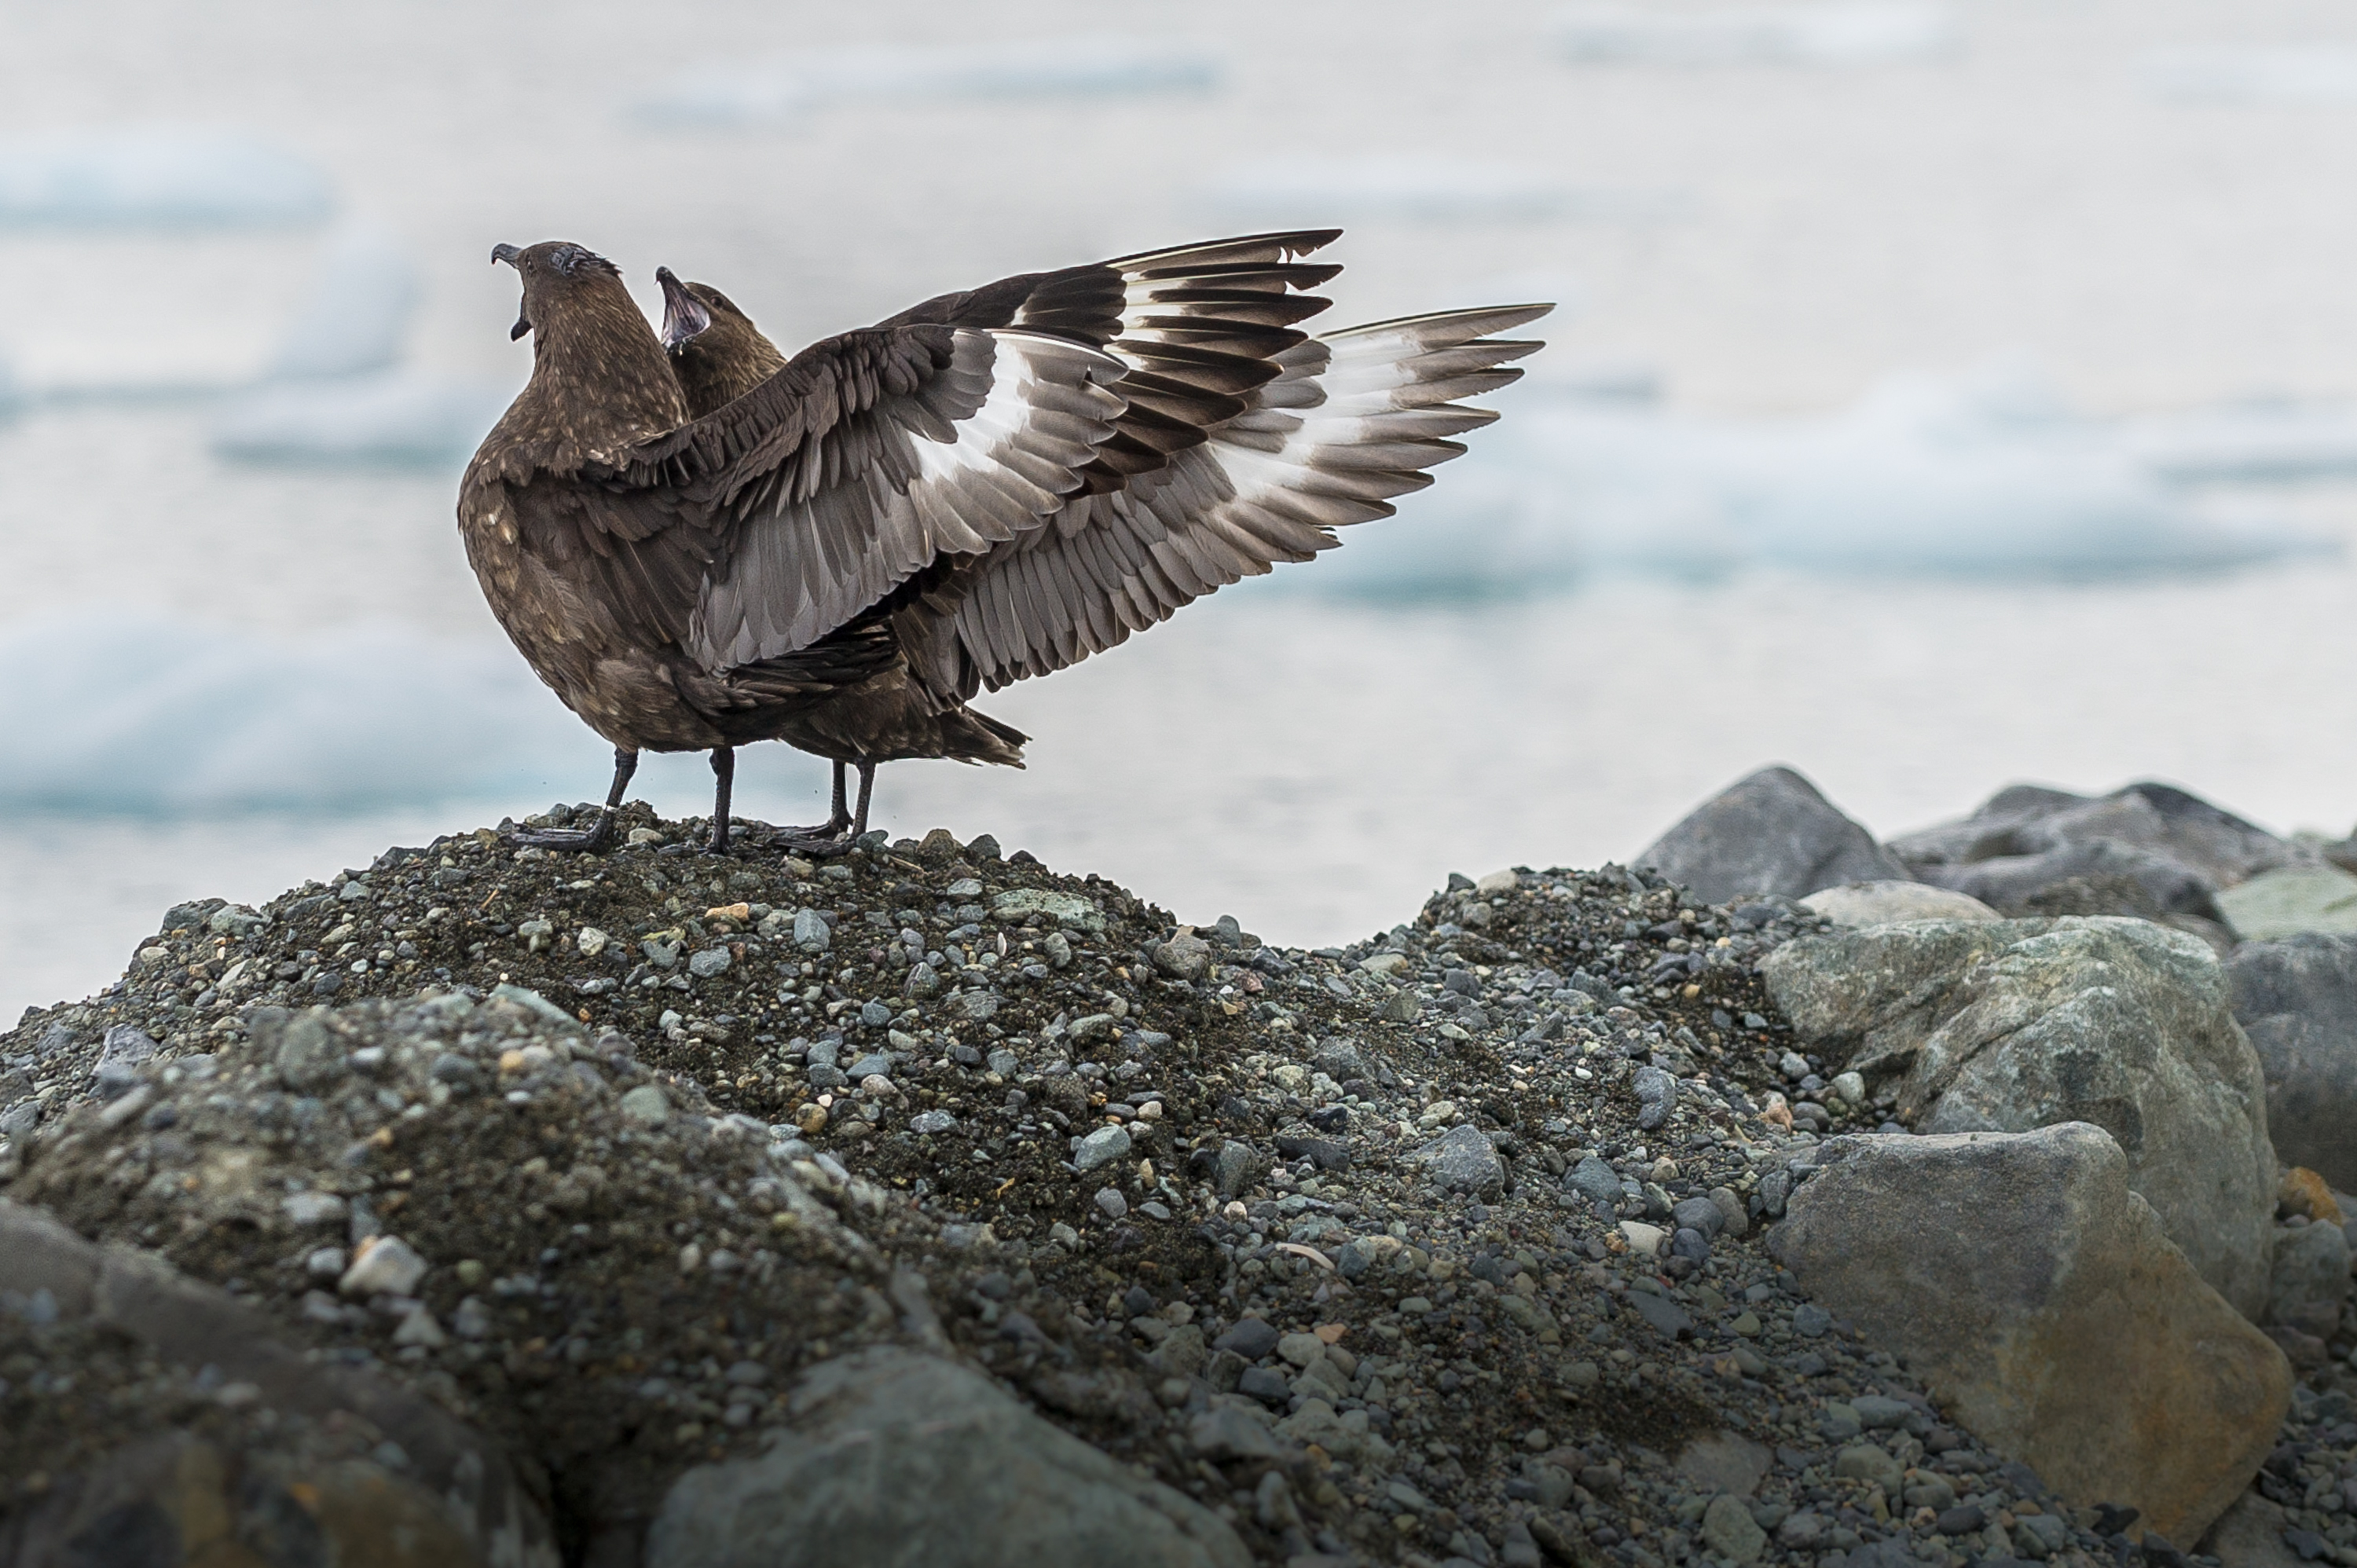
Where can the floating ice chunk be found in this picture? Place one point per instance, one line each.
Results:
(331, 395)
(115, 712)
(2311, 73)
(1984, 476)
(782, 88)
(358, 312)
(2259, 441)
(1832, 35)
(156, 177)
(1419, 189)
(397, 419)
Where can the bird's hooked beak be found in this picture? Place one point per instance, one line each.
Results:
(684, 314)
(508, 254)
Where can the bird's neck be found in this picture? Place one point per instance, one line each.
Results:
(598, 361)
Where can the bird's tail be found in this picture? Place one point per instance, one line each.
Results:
(971, 736)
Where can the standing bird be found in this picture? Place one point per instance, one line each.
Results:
(699, 544)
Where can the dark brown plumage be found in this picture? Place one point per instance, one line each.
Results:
(714, 546)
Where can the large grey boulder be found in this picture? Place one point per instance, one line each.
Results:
(2051, 1316)
(1857, 903)
(2007, 1026)
(451, 1499)
(2147, 850)
(1770, 832)
(2297, 999)
(896, 1457)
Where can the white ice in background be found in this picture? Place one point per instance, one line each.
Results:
(126, 711)
(167, 176)
(2235, 74)
(1417, 188)
(335, 394)
(356, 317)
(2260, 440)
(780, 90)
(1984, 476)
(1829, 35)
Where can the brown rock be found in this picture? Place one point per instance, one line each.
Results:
(2039, 1298)
(2302, 1191)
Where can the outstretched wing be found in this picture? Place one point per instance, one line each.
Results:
(1353, 419)
(868, 458)
(1198, 329)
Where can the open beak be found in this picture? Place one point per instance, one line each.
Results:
(683, 313)
(508, 254)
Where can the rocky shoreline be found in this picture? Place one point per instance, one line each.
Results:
(662, 1210)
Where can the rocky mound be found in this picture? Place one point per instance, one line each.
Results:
(1447, 1245)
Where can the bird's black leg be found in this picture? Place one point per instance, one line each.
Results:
(724, 774)
(828, 835)
(595, 840)
(867, 788)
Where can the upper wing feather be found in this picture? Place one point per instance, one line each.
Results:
(867, 459)
(1353, 419)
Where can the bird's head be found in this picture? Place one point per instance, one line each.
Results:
(715, 350)
(556, 273)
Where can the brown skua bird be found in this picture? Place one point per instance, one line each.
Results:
(698, 543)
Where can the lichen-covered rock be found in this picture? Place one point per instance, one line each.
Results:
(892, 1456)
(2011, 1024)
(1856, 904)
(2047, 1310)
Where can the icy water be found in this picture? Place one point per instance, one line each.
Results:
(1943, 396)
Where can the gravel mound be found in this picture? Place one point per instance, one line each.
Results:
(1444, 1246)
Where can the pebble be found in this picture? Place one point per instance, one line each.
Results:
(385, 1265)
(704, 965)
(929, 1121)
(646, 1105)
(1110, 1201)
(1101, 1147)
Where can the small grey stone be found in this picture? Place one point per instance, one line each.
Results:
(1003, 1062)
(1699, 1214)
(874, 1015)
(924, 981)
(1878, 1413)
(929, 1121)
(1110, 1201)
(127, 1047)
(873, 1065)
(1183, 958)
(645, 1106)
(1236, 1168)
(1594, 1180)
(1729, 1528)
(1265, 1384)
(310, 1057)
(1251, 1337)
(707, 963)
(1811, 1321)
(386, 1266)
(1226, 1433)
(1101, 1147)
(1462, 1159)
(812, 933)
(306, 1209)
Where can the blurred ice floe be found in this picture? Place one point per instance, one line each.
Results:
(2224, 73)
(156, 177)
(1418, 188)
(1828, 34)
(1987, 475)
(779, 89)
(335, 394)
(123, 712)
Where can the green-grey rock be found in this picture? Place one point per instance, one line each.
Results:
(2007, 1026)
(892, 1456)
(2290, 900)
(2297, 999)
(1729, 1528)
